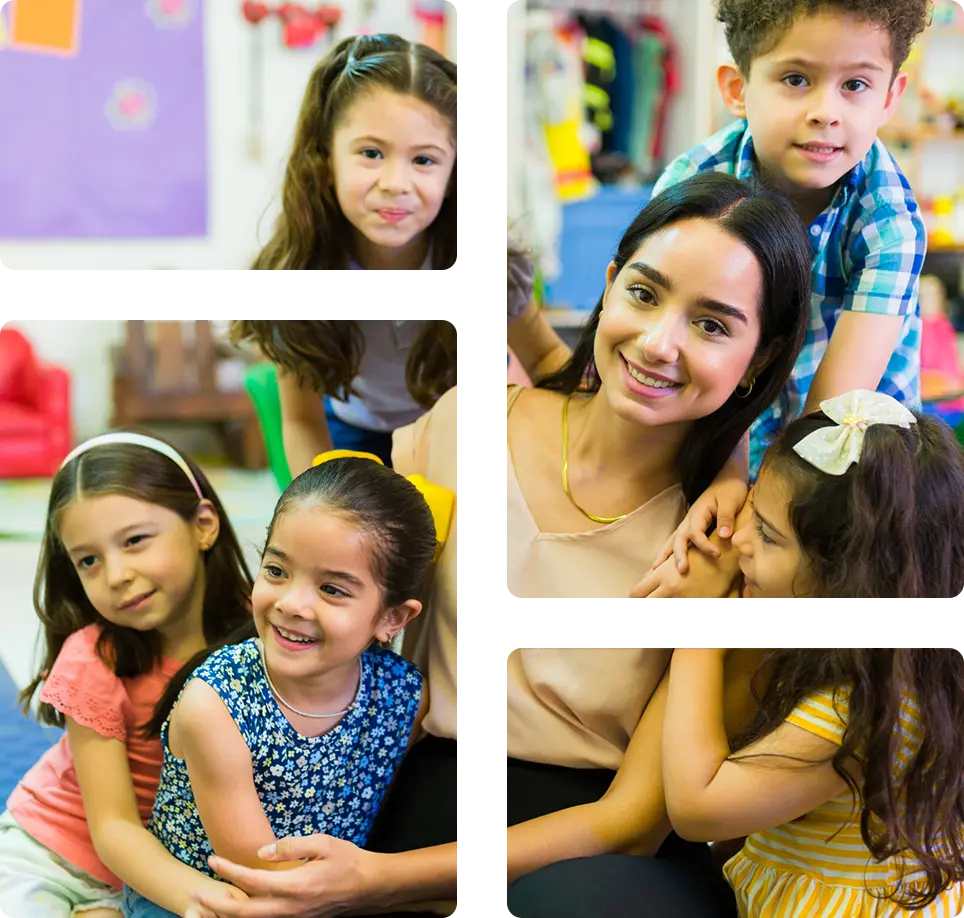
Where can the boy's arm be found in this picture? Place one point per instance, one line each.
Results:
(860, 348)
(122, 843)
(886, 254)
(218, 762)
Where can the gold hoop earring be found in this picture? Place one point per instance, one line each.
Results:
(749, 389)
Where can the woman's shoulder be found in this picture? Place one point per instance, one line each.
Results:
(532, 402)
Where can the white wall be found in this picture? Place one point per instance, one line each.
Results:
(476, 33)
(241, 192)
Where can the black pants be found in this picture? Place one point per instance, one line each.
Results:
(681, 880)
(621, 886)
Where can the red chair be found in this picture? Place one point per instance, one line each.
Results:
(35, 432)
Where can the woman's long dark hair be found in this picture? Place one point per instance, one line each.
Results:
(388, 508)
(62, 605)
(910, 809)
(327, 355)
(767, 225)
(311, 231)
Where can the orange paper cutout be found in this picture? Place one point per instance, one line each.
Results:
(45, 25)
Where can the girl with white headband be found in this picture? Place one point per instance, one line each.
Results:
(847, 790)
(139, 570)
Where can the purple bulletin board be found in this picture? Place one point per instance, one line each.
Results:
(108, 139)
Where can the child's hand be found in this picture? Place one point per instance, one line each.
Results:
(708, 578)
(721, 501)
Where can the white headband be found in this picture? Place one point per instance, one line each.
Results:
(136, 439)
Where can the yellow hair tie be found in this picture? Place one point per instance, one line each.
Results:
(441, 501)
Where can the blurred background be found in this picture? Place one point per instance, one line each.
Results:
(604, 93)
(152, 136)
(155, 134)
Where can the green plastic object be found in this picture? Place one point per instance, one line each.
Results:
(960, 433)
(261, 381)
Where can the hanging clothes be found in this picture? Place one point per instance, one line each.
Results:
(555, 156)
(657, 78)
(653, 25)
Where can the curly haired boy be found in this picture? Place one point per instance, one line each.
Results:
(811, 83)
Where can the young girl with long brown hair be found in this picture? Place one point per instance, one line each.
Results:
(139, 569)
(849, 784)
(370, 182)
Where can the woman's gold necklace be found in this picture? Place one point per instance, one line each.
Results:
(565, 468)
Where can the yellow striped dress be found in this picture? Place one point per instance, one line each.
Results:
(804, 870)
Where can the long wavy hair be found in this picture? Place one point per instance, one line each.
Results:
(311, 231)
(62, 605)
(327, 355)
(387, 507)
(768, 226)
(911, 809)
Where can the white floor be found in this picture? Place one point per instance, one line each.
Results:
(19, 628)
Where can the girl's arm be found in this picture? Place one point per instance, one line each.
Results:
(218, 762)
(304, 429)
(537, 345)
(706, 576)
(122, 843)
(631, 816)
(721, 501)
(711, 795)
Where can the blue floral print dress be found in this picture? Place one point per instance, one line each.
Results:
(332, 783)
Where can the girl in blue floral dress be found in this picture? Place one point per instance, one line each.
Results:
(301, 729)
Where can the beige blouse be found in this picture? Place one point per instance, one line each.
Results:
(568, 706)
(571, 707)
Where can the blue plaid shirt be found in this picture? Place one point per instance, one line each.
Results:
(868, 249)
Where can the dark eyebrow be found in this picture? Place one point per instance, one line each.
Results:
(768, 524)
(816, 65)
(724, 309)
(120, 534)
(657, 277)
(320, 572)
(703, 302)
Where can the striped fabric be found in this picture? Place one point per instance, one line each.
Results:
(818, 866)
(868, 250)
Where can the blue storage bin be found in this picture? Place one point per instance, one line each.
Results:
(591, 230)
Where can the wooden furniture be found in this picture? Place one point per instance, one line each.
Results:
(168, 373)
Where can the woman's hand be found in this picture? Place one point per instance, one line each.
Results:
(336, 876)
(708, 578)
(721, 501)
(221, 892)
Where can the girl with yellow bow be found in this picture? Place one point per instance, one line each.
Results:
(835, 787)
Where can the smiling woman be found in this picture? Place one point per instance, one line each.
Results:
(702, 316)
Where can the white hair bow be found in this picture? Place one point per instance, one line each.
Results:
(834, 449)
